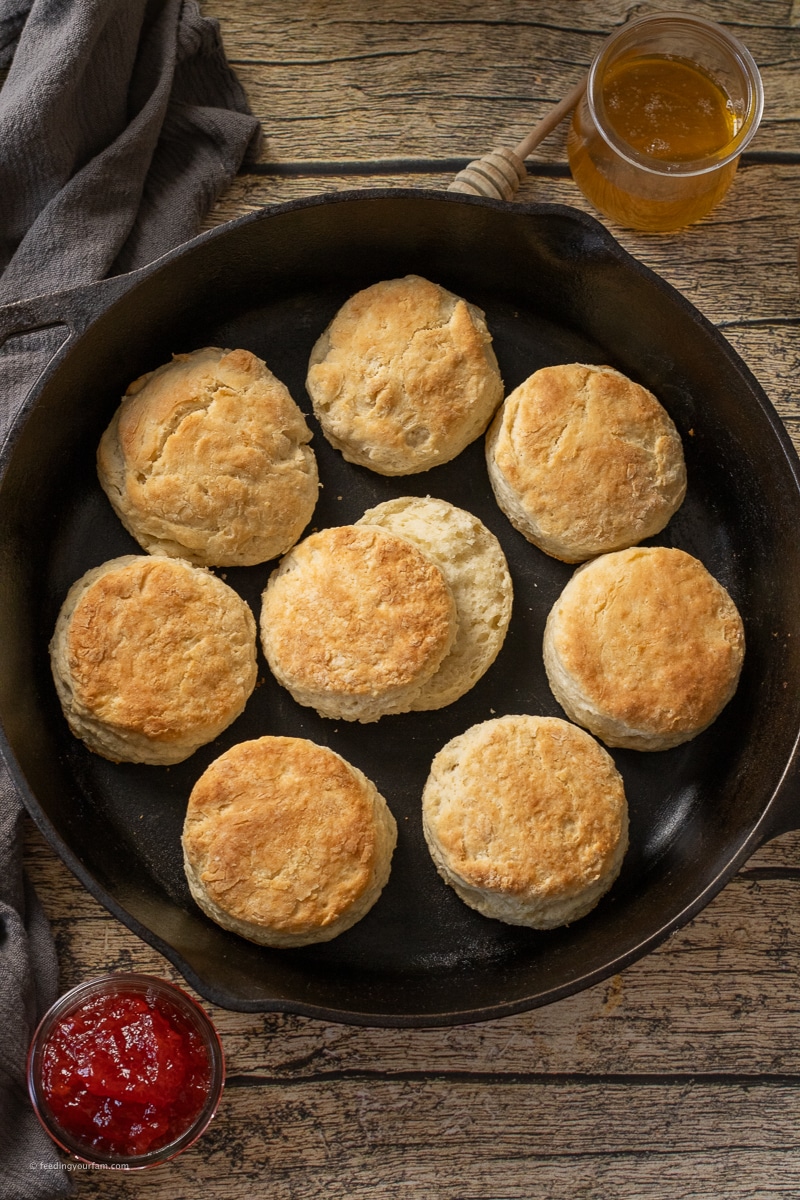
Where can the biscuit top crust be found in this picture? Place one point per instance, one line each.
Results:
(161, 648)
(594, 457)
(357, 611)
(650, 638)
(281, 833)
(474, 565)
(404, 376)
(526, 805)
(207, 459)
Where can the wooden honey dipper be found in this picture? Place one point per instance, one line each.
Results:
(498, 174)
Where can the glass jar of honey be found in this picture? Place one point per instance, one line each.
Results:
(671, 101)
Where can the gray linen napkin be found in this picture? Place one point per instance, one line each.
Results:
(28, 985)
(120, 124)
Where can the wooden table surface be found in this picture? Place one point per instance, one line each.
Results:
(680, 1077)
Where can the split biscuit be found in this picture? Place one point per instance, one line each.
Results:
(206, 459)
(584, 461)
(355, 620)
(474, 566)
(404, 377)
(152, 658)
(526, 819)
(644, 648)
(286, 843)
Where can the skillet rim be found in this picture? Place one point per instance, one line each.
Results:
(94, 301)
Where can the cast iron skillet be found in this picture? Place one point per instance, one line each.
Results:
(555, 288)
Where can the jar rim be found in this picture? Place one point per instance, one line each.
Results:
(126, 982)
(660, 167)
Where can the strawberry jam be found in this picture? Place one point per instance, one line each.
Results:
(126, 1071)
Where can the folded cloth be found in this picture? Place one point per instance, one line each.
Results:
(28, 985)
(120, 123)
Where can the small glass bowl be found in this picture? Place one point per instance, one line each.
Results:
(641, 190)
(185, 1018)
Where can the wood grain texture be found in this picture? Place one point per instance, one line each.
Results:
(669, 1074)
(679, 1078)
(454, 78)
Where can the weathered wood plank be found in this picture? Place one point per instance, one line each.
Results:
(358, 1138)
(581, 14)
(331, 81)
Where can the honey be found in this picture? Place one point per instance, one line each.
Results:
(670, 103)
(667, 108)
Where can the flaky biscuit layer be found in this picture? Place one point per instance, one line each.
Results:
(526, 819)
(644, 647)
(474, 566)
(404, 377)
(354, 620)
(152, 658)
(286, 843)
(584, 461)
(207, 459)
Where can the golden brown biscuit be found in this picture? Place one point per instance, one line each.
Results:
(207, 460)
(404, 377)
(526, 819)
(474, 566)
(285, 843)
(583, 461)
(152, 658)
(355, 620)
(644, 648)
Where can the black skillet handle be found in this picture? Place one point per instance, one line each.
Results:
(66, 313)
(74, 308)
